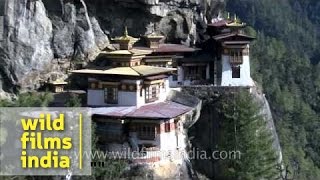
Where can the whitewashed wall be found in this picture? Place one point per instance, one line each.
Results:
(168, 140)
(180, 71)
(245, 78)
(180, 77)
(96, 98)
(125, 98)
(164, 91)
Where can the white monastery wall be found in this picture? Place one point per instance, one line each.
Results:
(95, 97)
(245, 78)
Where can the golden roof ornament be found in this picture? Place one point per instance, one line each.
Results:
(58, 81)
(236, 22)
(154, 35)
(125, 36)
(126, 31)
(125, 41)
(153, 40)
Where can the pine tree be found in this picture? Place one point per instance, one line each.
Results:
(244, 129)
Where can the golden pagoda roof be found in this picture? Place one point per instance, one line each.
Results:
(126, 38)
(133, 52)
(150, 70)
(58, 82)
(113, 71)
(235, 23)
(127, 71)
(154, 36)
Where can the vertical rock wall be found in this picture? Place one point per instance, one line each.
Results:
(38, 35)
(204, 135)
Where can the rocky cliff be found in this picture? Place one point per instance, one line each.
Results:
(205, 134)
(41, 37)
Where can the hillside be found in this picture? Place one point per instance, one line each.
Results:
(286, 63)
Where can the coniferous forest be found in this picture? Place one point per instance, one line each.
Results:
(285, 61)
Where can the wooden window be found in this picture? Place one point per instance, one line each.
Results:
(152, 93)
(109, 132)
(193, 70)
(111, 95)
(236, 72)
(193, 73)
(167, 127)
(147, 132)
(236, 56)
(175, 77)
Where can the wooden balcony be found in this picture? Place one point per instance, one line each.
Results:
(236, 60)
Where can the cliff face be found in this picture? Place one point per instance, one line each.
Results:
(205, 133)
(266, 111)
(40, 37)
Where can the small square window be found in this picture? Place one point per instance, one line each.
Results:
(152, 93)
(147, 132)
(174, 77)
(111, 95)
(236, 72)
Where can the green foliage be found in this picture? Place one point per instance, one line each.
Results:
(285, 60)
(29, 100)
(244, 130)
(113, 168)
(5, 103)
(74, 101)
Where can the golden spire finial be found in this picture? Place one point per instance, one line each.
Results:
(228, 16)
(126, 31)
(235, 18)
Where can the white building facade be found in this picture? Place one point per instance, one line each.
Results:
(234, 74)
(127, 93)
(235, 59)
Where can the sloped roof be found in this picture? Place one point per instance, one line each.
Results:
(150, 70)
(127, 71)
(162, 110)
(222, 37)
(154, 36)
(113, 71)
(131, 52)
(227, 23)
(169, 48)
